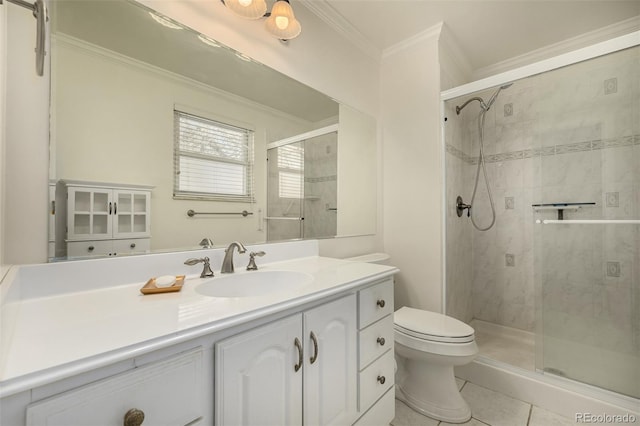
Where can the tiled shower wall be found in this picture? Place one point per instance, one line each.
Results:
(570, 135)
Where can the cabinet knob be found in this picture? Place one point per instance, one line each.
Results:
(381, 341)
(381, 380)
(133, 245)
(381, 303)
(91, 248)
(134, 417)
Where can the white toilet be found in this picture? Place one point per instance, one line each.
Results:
(428, 346)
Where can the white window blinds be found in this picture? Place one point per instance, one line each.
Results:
(212, 160)
(291, 171)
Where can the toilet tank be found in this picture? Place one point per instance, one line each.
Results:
(380, 258)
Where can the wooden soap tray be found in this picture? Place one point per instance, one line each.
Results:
(150, 286)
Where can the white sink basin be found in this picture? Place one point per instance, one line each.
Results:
(253, 283)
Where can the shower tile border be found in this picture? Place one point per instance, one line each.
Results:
(569, 148)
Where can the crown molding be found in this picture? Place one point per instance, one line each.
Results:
(323, 10)
(451, 48)
(592, 37)
(431, 32)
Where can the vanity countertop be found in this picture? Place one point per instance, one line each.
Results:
(58, 336)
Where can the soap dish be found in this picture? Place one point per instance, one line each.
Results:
(150, 286)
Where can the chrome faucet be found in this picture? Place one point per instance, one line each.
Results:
(227, 262)
(206, 271)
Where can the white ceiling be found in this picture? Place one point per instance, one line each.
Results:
(487, 32)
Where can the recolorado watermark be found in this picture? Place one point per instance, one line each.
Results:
(605, 418)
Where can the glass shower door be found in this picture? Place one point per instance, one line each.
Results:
(587, 223)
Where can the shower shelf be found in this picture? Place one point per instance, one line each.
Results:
(561, 207)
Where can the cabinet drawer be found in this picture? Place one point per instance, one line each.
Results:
(168, 392)
(371, 380)
(375, 340)
(135, 245)
(375, 302)
(382, 412)
(89, 248)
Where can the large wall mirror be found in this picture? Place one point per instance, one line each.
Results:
(146, 114)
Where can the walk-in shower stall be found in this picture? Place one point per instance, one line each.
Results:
(553, 286)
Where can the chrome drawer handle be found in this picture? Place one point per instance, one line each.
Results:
(381, 341)
(315, 348)
(299, 346)
(134, 417)
(381, 379)
(381, 303)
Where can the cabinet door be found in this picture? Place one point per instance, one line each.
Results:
(131, 214)
(256, 380)
(89, 213)
(330, 381)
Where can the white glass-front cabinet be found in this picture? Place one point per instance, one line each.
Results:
(104, 219)
(302, 369)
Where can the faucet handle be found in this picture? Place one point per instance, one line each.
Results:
(206, 270)
(252, 260)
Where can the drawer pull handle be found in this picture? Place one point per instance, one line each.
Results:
(91, 248)
(134, 417)
(381, 379)
(381, 303)
(315, 348)
(381, 341)
(300, 356)
(133, 245)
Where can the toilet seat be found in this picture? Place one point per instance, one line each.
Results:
(431, 326)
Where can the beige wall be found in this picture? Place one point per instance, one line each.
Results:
(413, 170)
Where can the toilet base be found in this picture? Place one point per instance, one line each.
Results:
(431, 390)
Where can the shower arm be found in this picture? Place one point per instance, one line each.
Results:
(482, 104)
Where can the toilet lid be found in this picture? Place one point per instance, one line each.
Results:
(432, 326)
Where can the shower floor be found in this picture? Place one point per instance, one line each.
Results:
(505, 344)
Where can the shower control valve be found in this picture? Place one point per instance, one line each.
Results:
(461, 206)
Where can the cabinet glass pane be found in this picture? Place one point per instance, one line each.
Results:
(82, 201)
(81, 224)
(100, 202)
(100, 224)
(140, 223)
(124, 223)
(124, 203)
(140, 203)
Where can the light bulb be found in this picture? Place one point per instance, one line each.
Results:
(245, 3)
(282, 22)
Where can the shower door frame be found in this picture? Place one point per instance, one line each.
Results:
(590, 52)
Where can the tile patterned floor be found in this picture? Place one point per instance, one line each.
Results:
(488, 408)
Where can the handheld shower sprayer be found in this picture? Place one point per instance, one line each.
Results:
(460, 206)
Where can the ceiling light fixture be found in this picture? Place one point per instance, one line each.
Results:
(280, 23)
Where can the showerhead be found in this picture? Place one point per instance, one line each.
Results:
(495, 95)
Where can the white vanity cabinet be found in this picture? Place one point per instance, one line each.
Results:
(106, 219)
(298, 370)
(167, 392)
(376, 357)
